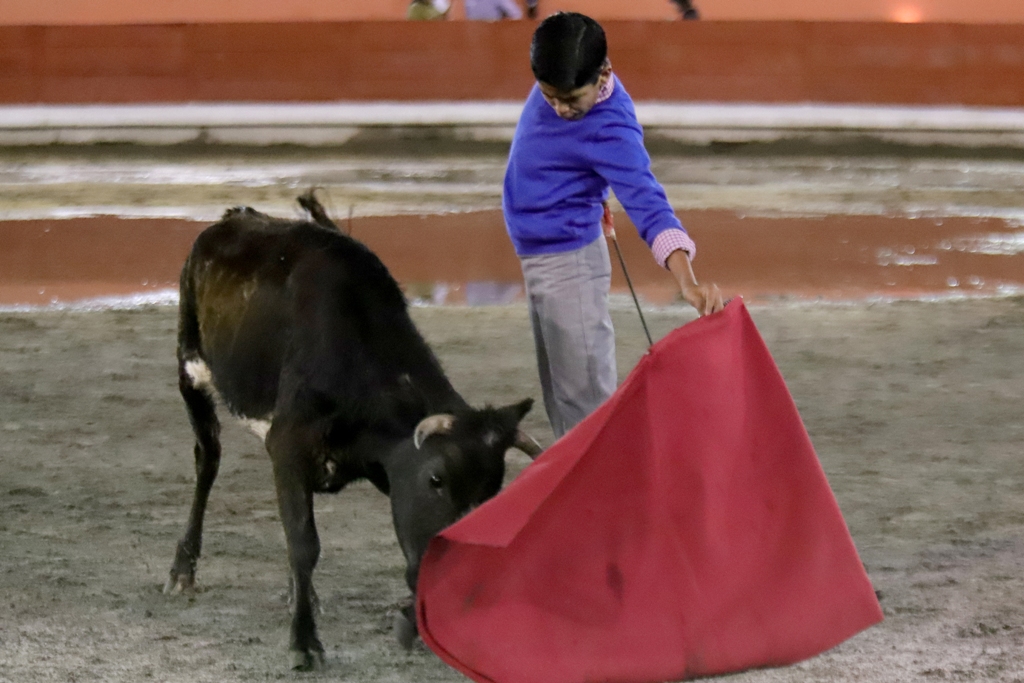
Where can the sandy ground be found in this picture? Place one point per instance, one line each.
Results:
(915, 409)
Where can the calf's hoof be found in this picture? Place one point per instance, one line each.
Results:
(307, 661)
(180, 584)
(405, 630)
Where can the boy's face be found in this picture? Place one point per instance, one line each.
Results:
(573, 105)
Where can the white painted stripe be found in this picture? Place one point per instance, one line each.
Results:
(498, 113)
(831, 117)
(193, 213)
(259, 114)
(165, 297)
(810, 207)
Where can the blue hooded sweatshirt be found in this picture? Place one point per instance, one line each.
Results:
(559, 173)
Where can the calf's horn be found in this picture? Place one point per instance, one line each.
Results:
(432, 424)
(527, 444)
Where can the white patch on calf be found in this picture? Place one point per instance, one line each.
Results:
(199, 372)
(257, 427)
(201, 377)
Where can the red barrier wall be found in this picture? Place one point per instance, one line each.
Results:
(698, 61)
(46, 12)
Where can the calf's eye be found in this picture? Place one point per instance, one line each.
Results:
(435, 481)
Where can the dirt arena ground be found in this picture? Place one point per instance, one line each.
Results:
(914, 407)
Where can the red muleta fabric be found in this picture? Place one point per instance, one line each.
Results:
(684, 529)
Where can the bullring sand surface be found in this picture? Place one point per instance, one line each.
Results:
(914, 406)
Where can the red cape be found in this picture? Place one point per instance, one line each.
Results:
(684, 529)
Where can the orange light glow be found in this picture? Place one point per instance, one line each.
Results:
(907, 14)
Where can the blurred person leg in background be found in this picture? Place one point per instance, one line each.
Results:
(493, 10)
(428, 10)
(686, 9)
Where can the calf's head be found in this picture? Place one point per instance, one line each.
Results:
(452, 464)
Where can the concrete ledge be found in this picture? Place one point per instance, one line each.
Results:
(344, 122)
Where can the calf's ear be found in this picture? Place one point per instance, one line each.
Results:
(514, 412)
(524, 407)
(523, 441)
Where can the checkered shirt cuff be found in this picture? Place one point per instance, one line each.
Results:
(668, 241)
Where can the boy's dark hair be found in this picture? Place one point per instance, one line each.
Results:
(568, 51)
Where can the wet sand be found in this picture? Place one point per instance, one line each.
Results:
(119, 220)
(467, 257)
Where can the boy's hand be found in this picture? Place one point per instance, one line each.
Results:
(706, 299)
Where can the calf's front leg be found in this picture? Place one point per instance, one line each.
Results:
(294, 482)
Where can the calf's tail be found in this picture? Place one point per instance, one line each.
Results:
(316, 211)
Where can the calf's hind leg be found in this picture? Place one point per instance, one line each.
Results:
(203, 416)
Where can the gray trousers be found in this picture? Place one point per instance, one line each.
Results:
(567, 294)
